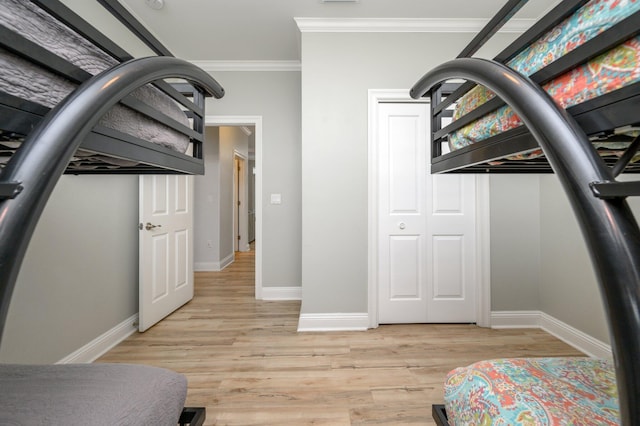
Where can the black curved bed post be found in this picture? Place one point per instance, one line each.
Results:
(36, 167)
(608, 226)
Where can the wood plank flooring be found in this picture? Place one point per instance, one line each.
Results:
(247, 364)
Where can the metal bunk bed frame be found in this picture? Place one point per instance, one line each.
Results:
(27, 180)
(609, 111)
(599, 202)
(18, 116)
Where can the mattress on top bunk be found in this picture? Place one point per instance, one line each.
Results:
(610, 71)
(533, 391)
(26, 80)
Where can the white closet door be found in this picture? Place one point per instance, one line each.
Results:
(426, 232)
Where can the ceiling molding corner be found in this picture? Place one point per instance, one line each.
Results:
(212, 66)
(400, 25)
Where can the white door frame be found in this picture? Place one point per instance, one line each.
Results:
(240, 192)
(483, 265)
(256, 122)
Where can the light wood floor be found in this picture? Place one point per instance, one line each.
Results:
(247, 365)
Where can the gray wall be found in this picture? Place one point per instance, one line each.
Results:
(206, 217)
(515, 242)
(568, 286)
(275, 96)
(337, 72)
(538, 258)
(79, 278)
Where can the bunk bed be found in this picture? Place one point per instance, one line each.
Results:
(73, 101)
(504, 116)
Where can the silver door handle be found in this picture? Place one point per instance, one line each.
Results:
(149, 226)
(401, 225)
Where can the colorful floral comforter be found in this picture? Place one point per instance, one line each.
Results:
(615, 69)
(533, 391)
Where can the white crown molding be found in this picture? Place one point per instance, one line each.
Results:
(213, 66)
(400, 25)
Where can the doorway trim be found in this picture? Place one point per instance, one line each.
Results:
(483, 265)
(256, 122)
(240, 185)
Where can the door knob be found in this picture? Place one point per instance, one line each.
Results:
(149, 226)
(401, 225)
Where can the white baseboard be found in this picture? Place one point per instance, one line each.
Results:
(515, 319)
(103, 343)
(333, 322)
(568, 334)
(214, 266)
(281, 293)
(206, 266)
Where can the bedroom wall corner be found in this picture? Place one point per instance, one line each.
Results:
(569, 290)
(79, 278)
(206, 216)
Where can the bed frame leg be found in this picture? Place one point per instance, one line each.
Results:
(192, 416)
(439, 415)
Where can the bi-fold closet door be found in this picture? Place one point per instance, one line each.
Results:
(426, 226)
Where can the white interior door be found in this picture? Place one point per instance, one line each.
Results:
(166, 246)
(426, 226)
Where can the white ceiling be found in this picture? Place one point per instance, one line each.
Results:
(265, 30)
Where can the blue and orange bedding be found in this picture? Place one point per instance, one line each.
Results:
(533, 391)
(612, 70)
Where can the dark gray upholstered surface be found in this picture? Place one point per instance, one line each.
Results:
(90, 394)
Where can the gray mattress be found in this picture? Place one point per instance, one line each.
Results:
(90, 394)
(23, 79)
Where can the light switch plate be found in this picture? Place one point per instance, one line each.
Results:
(276, 198)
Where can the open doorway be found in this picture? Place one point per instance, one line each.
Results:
(213, 196)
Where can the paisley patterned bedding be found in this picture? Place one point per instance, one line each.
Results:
(533, 391)
(613, 70)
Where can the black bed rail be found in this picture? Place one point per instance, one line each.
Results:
(21, 115)
(493, 26)
(617, 34)
(562, 11)
(42, 158)
(597, 116)
(608, 225)
(31, 51)
(129, 21)
(72, 20)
